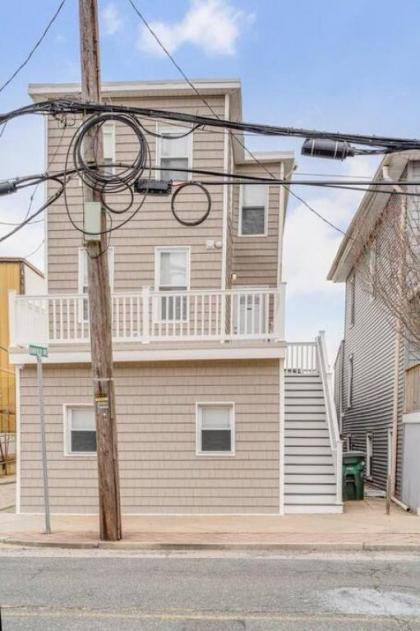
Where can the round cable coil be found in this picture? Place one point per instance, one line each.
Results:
(180, 188)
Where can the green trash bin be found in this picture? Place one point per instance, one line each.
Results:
(353, 475)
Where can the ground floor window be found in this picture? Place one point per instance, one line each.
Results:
(215, 429)
(80, 429)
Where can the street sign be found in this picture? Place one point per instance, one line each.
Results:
(38, 351)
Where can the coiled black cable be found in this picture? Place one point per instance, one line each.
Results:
(99, 179)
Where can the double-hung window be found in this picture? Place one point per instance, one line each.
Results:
(253, 210)
(80, 429)
(83, 315)
(172, 275)
(174, 151)
(215, 429)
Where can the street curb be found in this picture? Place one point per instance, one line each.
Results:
(232, 547)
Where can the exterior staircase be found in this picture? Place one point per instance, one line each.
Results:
(313, 450)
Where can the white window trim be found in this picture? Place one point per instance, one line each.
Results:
(156, 303)
(67, 433)
(260, 234)
(167, 129)
(212, 454)
(111, 258)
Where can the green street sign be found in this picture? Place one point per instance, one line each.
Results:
(38, 351)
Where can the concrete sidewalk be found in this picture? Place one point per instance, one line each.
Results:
(363, 526)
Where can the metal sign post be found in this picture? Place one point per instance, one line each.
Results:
(39, 352)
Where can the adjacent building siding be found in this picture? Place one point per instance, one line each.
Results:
(370, 340)
(160, 472)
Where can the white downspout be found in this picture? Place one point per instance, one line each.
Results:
(392, 473)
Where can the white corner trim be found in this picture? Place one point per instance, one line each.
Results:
(280, 229)
(412, 417)
(18, 441)
(225, 197)
(281, 437)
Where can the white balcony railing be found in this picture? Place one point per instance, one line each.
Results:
(149, 316)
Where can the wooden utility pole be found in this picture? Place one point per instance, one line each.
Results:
(100, 313)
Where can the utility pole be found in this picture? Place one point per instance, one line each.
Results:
(100, 312)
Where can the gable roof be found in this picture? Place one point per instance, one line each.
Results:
(370, 209)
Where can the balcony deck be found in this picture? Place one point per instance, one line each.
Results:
(174, 321)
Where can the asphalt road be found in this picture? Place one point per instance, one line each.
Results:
(101, 590)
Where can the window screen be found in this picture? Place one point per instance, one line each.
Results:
(253, 210)
(82, 429)
(215, 428)
(173, 277)
(174, 153)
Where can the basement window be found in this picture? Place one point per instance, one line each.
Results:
(215, 429)
(80, 430)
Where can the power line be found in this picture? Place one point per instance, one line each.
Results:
(34, 48)
(204, 100)
(28, 256)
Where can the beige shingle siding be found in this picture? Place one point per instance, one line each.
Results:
(157, 439)
(154, 225)
(254, 259)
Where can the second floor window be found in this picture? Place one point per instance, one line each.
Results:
(253, 210)
(173, 152)
(172, 275)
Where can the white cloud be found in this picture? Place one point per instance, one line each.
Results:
(311, 244)
(213, 26)
(112, 19)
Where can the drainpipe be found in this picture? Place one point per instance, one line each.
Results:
(392, 469)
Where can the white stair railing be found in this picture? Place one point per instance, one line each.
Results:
(331, 414)
(301, 358)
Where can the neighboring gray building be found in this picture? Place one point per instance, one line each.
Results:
(373, 360)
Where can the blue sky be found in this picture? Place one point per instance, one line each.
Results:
(327, 64)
